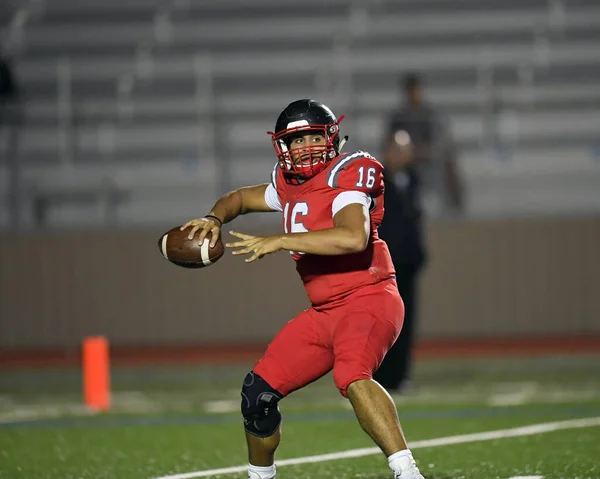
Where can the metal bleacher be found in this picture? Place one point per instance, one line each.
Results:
(143, 111)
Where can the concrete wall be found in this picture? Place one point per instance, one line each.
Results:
(485, 279)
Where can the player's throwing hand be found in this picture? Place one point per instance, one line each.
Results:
(259, 245)
(204, 226)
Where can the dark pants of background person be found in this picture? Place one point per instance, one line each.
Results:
(397, 364)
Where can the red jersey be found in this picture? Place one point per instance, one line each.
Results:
(310, 206)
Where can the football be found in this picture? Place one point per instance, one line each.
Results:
(189, 253)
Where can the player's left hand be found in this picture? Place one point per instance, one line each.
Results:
(258, 245)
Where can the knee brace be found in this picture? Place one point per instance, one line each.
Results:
(259, 406)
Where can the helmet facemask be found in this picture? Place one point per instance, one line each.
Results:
(302, 163)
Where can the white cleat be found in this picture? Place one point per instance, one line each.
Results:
(409, 468)
(408, 475)
(255, 475)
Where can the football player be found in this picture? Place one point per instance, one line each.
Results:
(331, 204)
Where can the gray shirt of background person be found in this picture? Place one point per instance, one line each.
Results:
(433, 157)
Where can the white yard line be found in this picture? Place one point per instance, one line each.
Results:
(39, 411)
(442, 441)
(222, 406)
(121, 401)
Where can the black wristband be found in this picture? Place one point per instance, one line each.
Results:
(215, 218)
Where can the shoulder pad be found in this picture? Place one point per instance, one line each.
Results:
(356, 171)
(274, 175)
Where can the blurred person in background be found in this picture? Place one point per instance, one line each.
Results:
(420, 161)
(9, 93)
(10, 123)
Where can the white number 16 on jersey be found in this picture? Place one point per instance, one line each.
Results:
(370, 177)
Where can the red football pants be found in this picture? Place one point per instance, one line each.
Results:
(350, 337)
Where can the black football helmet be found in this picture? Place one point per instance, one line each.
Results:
(300, 118)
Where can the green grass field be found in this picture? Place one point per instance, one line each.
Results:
(178, 420)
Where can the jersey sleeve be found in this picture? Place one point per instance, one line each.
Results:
(272, 198)
(272, 192)
(349, 197)
(357, 172)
